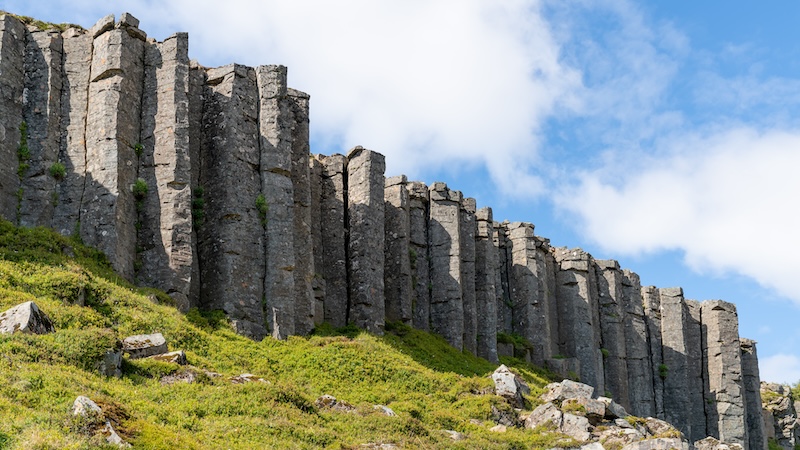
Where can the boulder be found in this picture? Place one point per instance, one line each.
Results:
(111, 364)
(93, 414)
(510, 386)
(144, 345)
(25, 318)
(455, 435)
(85, 407)
(613, 409)
(576, 427)
(658, 444)
(386, 410)
(547, 414)
(710, 443)
(505, 416)
(558, 392)
(330, 402)
(617, 437)
(247, 378)
(594, 410)
(499, 429)
(182, 376)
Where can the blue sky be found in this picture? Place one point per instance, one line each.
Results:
(662, 134)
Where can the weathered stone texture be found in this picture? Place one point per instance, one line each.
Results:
(467, 241)
(579, 314)
(365, 211)
(651, 301)
(504, 310)
(231, 243)
(334, 239)
(303, 247)
(546, 268)
(41, 103)
(275, 121)
(721, 353)
(108, 213)
(418, 254)
(485, 290)
(77, 59)
(640, 370)
(397, 269)
(694, 356)
(674, 319)
(447, 308)
(612, 316)
(318, 281)
(751, 381)
(12, 50)
(167, 251)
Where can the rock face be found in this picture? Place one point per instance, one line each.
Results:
(200, 181)
(25, 318)
(780, 414)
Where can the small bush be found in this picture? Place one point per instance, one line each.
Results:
(138, 149)
(139, 189)
(58, 171)
(662, 371)
(263, 208)
(198, 207)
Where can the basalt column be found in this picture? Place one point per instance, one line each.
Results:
(365, 213)
(303, 246)
(12, 50)
(275, 122)
(612, 316)
(397, 270)
(42, 112)
(721, 352)
(694, 355)
(77, 46)
(418, 254)
(334, 238)
(674, 323)
(485, 290)
(108, 213)
(318, 281)
(530, 315)
(640, 370)
(467, 240)
(503, 294)
(579, 314)
(756, 434)
(231, 241)
(165, 212)
(651, 301)
(447, 308)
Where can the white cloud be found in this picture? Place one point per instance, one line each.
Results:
(780, 368)
(728, 201)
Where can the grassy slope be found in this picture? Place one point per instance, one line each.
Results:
(427, 383)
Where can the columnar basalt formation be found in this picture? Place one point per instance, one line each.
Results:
(199, 181)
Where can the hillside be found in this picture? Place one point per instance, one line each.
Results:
(430, 386)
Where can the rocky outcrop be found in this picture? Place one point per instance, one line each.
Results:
(779, 414)
(200, 181)
(25, 318)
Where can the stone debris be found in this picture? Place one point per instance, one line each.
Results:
(499, 429)
(111, 364)
(93, 414)
(780, 414)
(144, 345)
(25, 318)
(182, 376)
(330, 402)
(247, 378)
(455, 435)
(385, 410)
(177, 357)
(510, 386)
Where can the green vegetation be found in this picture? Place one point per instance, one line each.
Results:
(139, 189)
(138, 149)
(23, 152)
(519, 342)
(772, 444)
(198, 207)
(605, 352)
(42, 26)
(58, 171)
(262, 207)
(662, 371)
(430, 385)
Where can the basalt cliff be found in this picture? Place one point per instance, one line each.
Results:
(200, 182)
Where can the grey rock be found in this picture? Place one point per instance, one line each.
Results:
(330, 402)
(674, 324)
(510, 386)
(25, 318)
(418, 254)
(365, 206)
(612, 325)
(447, 308)
(318, 282)
(576, 427)
(567, 389)
(485, 290)
(640, 370)
(385, 410)
(334, 244)
(651, 301)
(102, 25)
(111, 364)
(455, 435)
(85, 407)
(751, 382)
(397, 247)
(127, 19)
(695, 369)
(780, 414)
(468, 229)
(144, 345)
(503, 294)
(613, 409)
(12, 50)
(547, 414)
(177, 357)
(658, 444)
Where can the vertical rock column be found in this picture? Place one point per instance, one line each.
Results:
(695, 371)
(579, 314)
(503, 294)
(651, 301)
(77, 62)
(334, 238)
(485, 290)
(231, 240)
(640, 370)
(198, 91)
(303, 245)
(612, 317)
(42, 112)
(727, 416)
(397, 269)
(318, 282)
(108, 213)
(467, 240)
(756, 434)
(674, 322)
(447, 308)
(365, 212)
(165, 237)
(275, 121)
(418, 254)
(529, 311)
(546, 268)
(12, 50)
